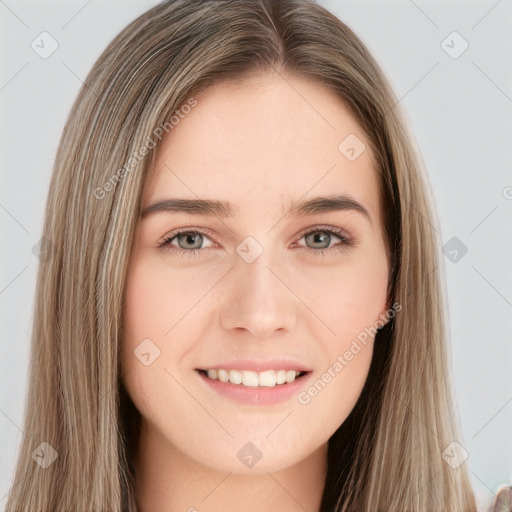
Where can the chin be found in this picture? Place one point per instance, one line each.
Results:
(252, 456)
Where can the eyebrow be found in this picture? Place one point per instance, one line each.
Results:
(225, 209)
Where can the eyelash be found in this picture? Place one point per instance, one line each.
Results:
(345, 244)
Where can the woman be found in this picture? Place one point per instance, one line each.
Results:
(259, 369)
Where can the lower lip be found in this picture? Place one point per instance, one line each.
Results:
(257, 395)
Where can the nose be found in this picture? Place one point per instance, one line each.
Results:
(258, 299)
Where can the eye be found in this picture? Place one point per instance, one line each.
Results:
(185, 240)
(319, 239)
(190, 242)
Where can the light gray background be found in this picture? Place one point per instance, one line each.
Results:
(459, 110)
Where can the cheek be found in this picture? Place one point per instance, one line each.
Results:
(162, 319)
(152, 299)
(349, 307)
(330, 397)
(148, 315)
(158, 303)
(347, 298)
(159, 298)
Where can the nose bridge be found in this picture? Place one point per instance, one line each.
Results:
(256, 281)
(256, 300)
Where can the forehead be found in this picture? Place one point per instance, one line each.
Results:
(264, 143)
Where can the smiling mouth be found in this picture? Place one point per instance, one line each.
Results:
(248, 378)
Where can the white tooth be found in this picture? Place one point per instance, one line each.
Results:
(267, 378)
(235, 377)
(290, 376)
(222, 375)
(249, 378)
(280, 377)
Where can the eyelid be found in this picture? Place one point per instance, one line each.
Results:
(166, 239)
(339, 232)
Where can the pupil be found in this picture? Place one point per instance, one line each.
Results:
(321, 238)
(189, 239)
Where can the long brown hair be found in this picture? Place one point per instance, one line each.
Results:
(388, 454)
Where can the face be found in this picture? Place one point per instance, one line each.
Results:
(261, 287)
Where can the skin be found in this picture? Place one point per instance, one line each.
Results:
(260, 145)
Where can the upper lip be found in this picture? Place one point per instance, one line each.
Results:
(258, 366)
